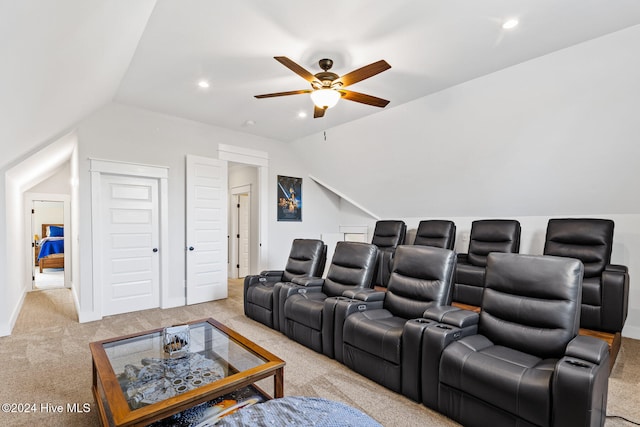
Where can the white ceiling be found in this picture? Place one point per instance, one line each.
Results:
(430, 44)
(64, 59)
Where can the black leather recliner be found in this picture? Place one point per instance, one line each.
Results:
(307, 258)
(526, 366)
(383, 343)
(487, 235)
(387, 236)
(605, 287)
(436, 233)
(302, 301)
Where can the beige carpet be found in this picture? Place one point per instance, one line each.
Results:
(47, 361)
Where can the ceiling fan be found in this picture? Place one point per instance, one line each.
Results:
(327, 87)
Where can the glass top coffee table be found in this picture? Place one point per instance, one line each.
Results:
(136, 382)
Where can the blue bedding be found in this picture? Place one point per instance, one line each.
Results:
(51, 246)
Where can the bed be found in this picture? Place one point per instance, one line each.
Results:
(51, 253)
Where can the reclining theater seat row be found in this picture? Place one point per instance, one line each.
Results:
(518, 362)
(307, 258)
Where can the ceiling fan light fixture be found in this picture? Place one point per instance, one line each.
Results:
(510, 23)
(325, 98)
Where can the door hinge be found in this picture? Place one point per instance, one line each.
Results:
(237, 265)
(33, 211)
(33, 245)
(238, 236)
(33, 278)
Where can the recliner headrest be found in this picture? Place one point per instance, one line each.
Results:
(307, 258)
(437, 233)
(587, 239)
(389, 234)
(492, 235)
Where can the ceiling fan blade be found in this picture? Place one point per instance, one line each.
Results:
(296, 69)
(292, 92)
(364, 98)
(318, 112)
(363, 73)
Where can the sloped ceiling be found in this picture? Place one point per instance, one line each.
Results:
(62, 59)
(430, 44)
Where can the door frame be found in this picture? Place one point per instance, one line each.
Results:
(29, 198)
(259, 159)
(99, 167)
(235, 227)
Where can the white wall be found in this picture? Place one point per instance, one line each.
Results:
(123, 133)
(59, 182)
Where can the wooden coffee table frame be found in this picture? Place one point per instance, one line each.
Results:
(114, 408)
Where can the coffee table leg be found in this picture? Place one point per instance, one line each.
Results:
(278, 383)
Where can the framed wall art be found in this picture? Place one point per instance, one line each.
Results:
(289, 198)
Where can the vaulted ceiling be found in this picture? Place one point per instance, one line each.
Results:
(64, 59)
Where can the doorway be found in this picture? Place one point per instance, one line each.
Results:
(257, 162)
(47, 240)
(240, 232)
(47, 229)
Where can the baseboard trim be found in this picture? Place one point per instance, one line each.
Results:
(6, 328)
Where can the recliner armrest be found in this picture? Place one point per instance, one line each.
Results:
(580, 383)
(365, 295)
(587, 348)
(453, 316)
(616, 268)
(271, 273)
(308, 282)
(615, 298)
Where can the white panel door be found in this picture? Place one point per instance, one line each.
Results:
(131, 266)
(243, 231)
(206, 229)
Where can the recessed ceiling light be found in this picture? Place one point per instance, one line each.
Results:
(302, 115)
(203, 84)
(249, 123)
(510, 23)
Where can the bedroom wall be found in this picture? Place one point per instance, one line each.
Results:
(121, 133)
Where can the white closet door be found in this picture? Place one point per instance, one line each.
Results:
(131, 266)
(206, 229)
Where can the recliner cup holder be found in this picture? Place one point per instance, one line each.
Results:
(577, 363)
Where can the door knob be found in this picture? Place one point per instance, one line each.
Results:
(155, 249)
(191, 248)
